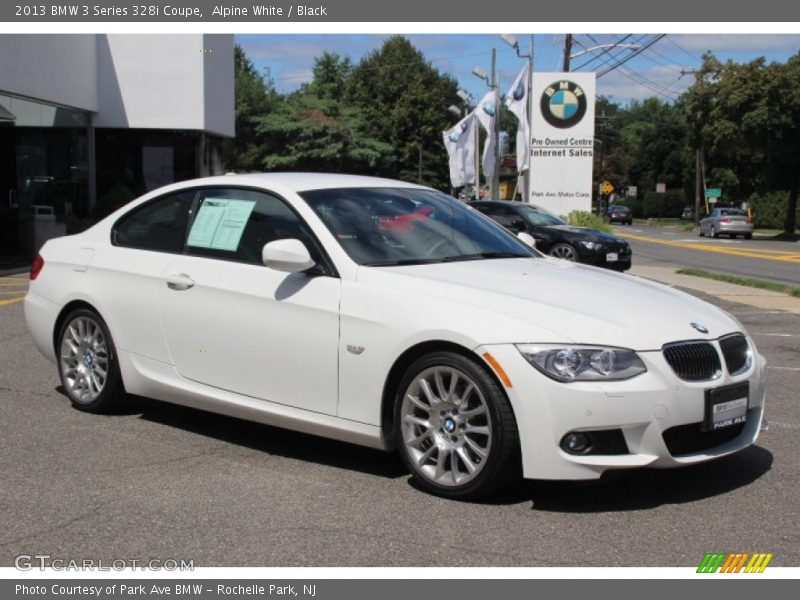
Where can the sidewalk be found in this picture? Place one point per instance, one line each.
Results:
(734, 293)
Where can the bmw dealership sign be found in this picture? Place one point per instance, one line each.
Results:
(562, 141)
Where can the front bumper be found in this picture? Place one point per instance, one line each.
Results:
(599, 257)
(643, 408)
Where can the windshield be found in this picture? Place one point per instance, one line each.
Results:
(732, 212)
(538, 217)
(402, 226)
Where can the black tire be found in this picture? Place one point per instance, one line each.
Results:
(501, 465)
(748, 236)
(111, 394)
(564, 251)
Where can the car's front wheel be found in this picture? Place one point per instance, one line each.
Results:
(455, 428)
(87, 362)
(564, 251)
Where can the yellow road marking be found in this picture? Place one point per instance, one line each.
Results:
(17, 284)
(13, 292)
(11, 301)
(781, 256)
(11, 278)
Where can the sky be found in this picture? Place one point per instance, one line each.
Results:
(653, 71)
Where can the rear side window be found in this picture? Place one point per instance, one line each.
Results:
(159, 225)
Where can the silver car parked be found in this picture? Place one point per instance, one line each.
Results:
(728, 221)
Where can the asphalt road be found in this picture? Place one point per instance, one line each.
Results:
(761, 258)
(169, 482)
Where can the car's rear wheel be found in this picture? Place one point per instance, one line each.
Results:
(87, 362)
(564, 251)
(455, 428)
(713, 232)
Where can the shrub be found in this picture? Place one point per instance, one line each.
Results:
(769, 209)
(667, 205)
(581, 218)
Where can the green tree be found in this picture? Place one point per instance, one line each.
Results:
(748, 118)
(405, 100)
(254, 97)
(313, 129)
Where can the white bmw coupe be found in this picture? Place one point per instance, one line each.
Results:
(391, 315)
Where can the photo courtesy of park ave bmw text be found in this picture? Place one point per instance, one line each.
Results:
(296, 299)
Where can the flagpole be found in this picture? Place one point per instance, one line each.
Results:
(495, 185)
(527, 178)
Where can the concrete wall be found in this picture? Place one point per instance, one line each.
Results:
(175, 81)
(181, 81)
(61, 69)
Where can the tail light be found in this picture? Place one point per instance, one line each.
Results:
(725, 220)
(36, 266)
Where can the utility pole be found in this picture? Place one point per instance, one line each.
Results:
(567, 51)
(699, 178)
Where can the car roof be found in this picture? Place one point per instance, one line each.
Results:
(302, 182)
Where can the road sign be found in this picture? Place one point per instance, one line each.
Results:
(661, 188)
(607, 188)
(632, 191)
(713, 192)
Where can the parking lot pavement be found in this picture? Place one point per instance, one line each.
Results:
(169, 482)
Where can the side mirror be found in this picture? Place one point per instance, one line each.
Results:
(527, 238)
(289, 256)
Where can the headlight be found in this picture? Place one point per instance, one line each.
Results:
(589, 245)
(583, 363)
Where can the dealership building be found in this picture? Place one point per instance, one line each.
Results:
(88, 122)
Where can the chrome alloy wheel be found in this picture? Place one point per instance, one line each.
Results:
(84, 359)
(564, 251)
(446, 426)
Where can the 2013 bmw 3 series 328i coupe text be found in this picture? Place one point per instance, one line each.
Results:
(391, 315)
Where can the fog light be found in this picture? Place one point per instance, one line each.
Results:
(576, 443)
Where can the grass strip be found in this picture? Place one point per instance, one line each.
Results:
(745, 281)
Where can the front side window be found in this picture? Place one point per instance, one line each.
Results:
(158, 225)
(396, 226)
(235, 224)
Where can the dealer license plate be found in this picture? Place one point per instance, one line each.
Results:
(612, 257)
(726, 406)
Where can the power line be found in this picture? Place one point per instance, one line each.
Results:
(616, 53)
(684, 50)
(630, 56)
(601, 54)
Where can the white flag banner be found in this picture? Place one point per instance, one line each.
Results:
(486, 112)
(517, 103)
(460, 144)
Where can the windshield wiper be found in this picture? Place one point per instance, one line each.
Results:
(482, 255)
(401, 262)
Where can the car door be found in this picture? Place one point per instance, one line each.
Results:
(143, 242)
(234, 324)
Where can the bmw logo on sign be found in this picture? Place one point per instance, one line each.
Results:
(489, 109)
(563, 104)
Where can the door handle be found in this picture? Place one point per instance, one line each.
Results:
(179, 282)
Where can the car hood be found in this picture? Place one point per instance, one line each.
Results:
(574, 302)
(586, 232)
